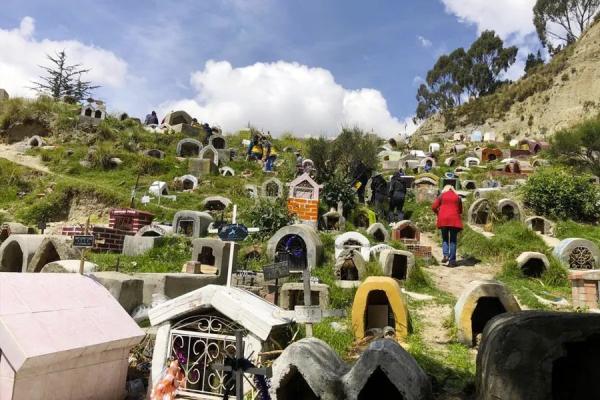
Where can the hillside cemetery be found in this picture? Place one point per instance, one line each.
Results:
(206, 275)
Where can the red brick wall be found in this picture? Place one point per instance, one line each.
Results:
(306, 210)
(106, 239)
(585, 291)
(129, 219)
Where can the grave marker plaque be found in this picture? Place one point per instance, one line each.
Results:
(83, 241)
(308, 314)
(276, 271)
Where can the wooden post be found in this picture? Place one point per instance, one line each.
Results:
(82, 263)
(231, 249)
(133, 193)
(307, 297)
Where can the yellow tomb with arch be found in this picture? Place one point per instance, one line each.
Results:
(379, 303)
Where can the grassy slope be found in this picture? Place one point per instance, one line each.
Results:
(453, 370)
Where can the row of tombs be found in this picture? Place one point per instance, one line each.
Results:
(522, 354)
(133, 233)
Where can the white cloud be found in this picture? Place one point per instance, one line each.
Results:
(424, 41)
(22, 54)
(283, 96)
(506, 17)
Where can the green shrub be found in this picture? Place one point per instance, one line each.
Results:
(269, 216)
(562, 194)
(338, 189)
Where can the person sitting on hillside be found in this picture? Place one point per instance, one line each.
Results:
(151, 119)
(255, 149)
(397, 194)
(270, 155)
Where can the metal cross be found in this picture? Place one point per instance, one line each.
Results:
(239, 367)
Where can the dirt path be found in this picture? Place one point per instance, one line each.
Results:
(454, 280)
(433, 316)
(15, 154)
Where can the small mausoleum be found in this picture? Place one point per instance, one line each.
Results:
(303, 199)
(93, 112)
(198, 328)
(62, 336)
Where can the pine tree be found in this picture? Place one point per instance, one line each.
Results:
(63, 80)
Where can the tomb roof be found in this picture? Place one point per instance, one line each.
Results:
(252, 312)
(50, 318)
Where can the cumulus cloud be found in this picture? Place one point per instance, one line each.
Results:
(424, 41)
(282, 97)
(506, 17)
(22, 54)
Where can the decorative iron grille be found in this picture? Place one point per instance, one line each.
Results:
(304, 190)
(198, 342)
(581, 258)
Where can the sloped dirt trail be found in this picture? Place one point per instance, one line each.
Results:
(454, 280)
(435, 315)
(12, 153)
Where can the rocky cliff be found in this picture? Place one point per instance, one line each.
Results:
(552, 97)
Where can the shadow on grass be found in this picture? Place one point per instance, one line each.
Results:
(446, 380)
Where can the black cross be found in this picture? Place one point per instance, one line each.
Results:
(240, 366)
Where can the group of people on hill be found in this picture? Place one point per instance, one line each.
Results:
(447, 207)
(394, 192)
(152, 119)
(261, 148)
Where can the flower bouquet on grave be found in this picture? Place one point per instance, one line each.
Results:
(170, 380)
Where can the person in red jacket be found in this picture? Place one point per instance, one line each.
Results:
(448, 207)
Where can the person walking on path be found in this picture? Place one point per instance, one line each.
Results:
(397, 194)
(448, 208)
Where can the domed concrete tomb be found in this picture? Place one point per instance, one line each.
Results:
(533, 264)
(379, 232)
(17, 251)
(380, 304)
(352, 240)
(273, 188)
(308, 369)
(397, 264)
(578, 253)
(480, 302)
(298, 244)
(215, 203)
(191, 223)
(534, 355)
(479, 212)
(52, 248)
(510, 209)
(541, 225)
(349, 269)
(406, 230)
(386, 371)
(189, 148)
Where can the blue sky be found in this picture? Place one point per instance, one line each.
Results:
(382, 46)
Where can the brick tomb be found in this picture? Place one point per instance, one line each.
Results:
(584, 287)
(122, 222)
(303, 199)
